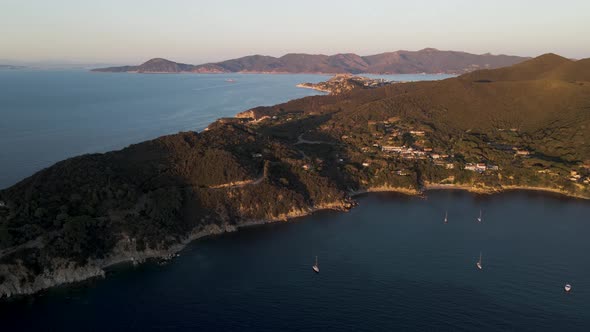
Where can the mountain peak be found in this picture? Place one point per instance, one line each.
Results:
(157, 60)
(550, 57)
(535, 68)
(546, 61)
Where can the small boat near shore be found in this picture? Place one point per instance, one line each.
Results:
(480, 218)
(567, 288)
(446, 217)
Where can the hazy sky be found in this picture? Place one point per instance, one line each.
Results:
(131, 31)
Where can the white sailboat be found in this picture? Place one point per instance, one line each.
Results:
(567, 288)
(316, 267)
(446, 217)
(478, 264)
(479, 219)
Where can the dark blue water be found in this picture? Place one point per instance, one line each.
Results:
(389, 264)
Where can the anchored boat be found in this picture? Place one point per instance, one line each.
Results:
(316, 267)
(478, 264)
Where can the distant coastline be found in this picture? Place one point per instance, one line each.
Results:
(427, 60)
(304, 86)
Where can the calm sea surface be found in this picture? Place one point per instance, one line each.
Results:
(47, 116)
(389, 264)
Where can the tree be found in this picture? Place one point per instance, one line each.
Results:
(408, 139)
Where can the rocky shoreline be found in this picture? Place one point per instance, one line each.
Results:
(316, 88)
(125, 253)
(496, 190)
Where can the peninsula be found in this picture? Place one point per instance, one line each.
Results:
(519, 127)
(428, 60)
(343, 83)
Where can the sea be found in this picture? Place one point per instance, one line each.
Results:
(390, 264)
(48, 115)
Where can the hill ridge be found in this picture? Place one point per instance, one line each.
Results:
(428, 60)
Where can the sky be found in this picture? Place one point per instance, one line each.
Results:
(198, 31)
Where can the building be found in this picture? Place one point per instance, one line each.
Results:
(417, 132)
(522, 152)
(479, 167)
(392, 148)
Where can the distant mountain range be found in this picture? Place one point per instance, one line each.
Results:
(428, 60)
(11, 67)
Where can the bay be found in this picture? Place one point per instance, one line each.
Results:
(389, 264)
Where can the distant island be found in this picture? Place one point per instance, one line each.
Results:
(519, 127)
(428, 60)
(11, 67)
(343, 83)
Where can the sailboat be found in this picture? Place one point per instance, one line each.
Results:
(567, 288)
(479, 266)
(316, 267)
(446, 217)
(479, 219)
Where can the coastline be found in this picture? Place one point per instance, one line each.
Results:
(499, 190)
(385, 188)
(69, 274)
(271, 73)
(304, 86)
(122, 255)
